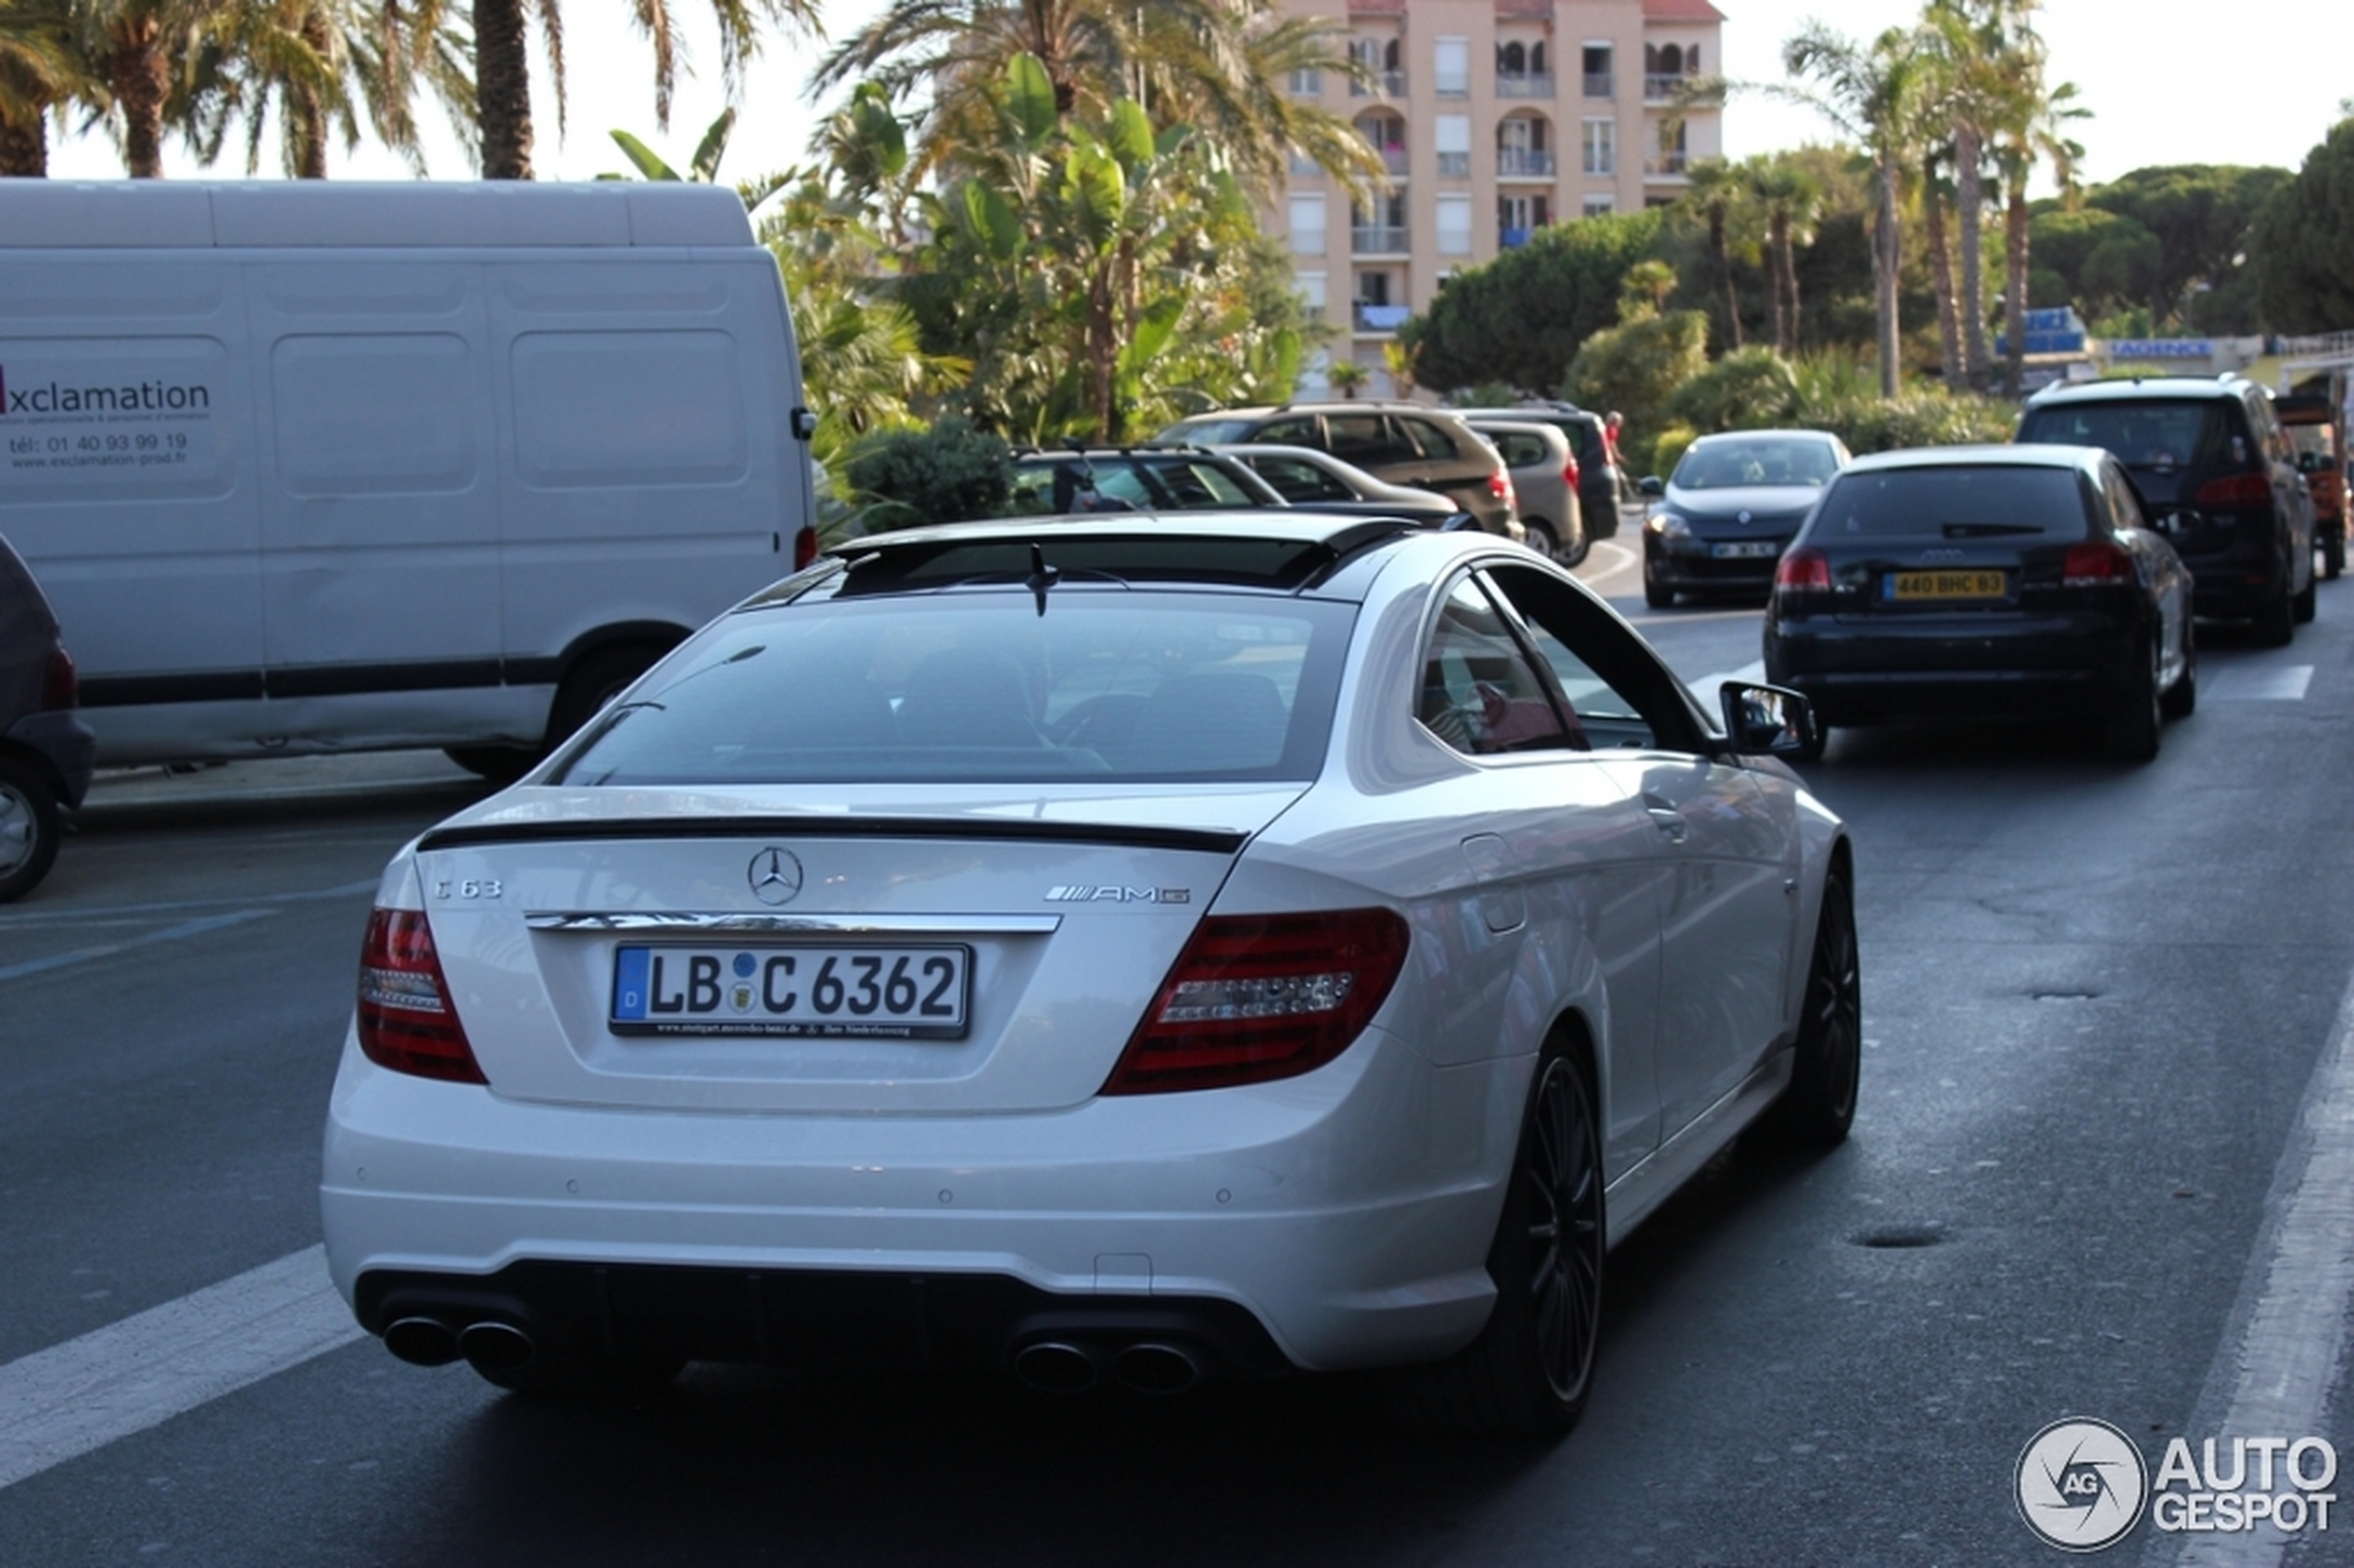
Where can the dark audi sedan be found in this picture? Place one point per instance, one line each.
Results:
(1985, 581)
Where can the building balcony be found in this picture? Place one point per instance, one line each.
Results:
(1379, 239)
(1602, 84)
(1524, 83)
(1388, 85)
(1393, 159)
(1658, 89)
(1380, 318)
(1512, 239)
(1666, 166)
(1520, 163)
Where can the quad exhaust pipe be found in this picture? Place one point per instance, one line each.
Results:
(429, 1342)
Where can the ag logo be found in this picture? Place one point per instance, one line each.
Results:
(2081, 1485)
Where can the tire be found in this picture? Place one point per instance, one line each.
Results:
(30, 824)
(2182, 698)
(2334, 552)
(549, 1376)
(593, 682)
(1580, 545)
(2304, 604)
(2132, 733)
(2275, 625)
(1818, 1107)
(1658, 595)
(1529, 1372)
(1541, 538)
(500, 765)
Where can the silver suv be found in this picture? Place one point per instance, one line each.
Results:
(1404, 443)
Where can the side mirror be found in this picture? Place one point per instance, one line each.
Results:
(1771, 719)
(1652, 485)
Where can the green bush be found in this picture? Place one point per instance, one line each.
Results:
(908, 479)
(1920, 416)
(1751, 389)
(1669, 449)
(1636, 366)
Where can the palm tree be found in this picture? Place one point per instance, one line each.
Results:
(502, 73)
(1790, 201)
(1874, 93)
(2035, 131)
(1717, 189)
(134, 47)
(321, 65)
(1219, 65)
(42, 68)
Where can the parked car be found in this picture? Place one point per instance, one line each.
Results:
(1316, 481)
(1985, 580)
(1544, 473)
(1600, 482)
(1123, 950)
(1048, 482)
(2315, 437)
(1725, 515)
(46, 749)
(1404, 443)
(2217, 476)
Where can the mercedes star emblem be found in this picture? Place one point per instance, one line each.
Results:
(776, 876)
(1742, 518)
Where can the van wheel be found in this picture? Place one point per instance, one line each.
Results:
(29, 825)
(593, 682)
(500, 765)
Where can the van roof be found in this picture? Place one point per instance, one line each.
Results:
(182, 214)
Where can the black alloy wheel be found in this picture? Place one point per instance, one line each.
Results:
(1818, 1107)
(1529, 1372)
(2182, 698)
(2275, 625)
(2132, 735)
(29, 826)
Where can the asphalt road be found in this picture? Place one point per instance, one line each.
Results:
(2096, 1000)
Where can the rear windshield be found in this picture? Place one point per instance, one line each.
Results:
(1724, 465)
(1107, 684)
(1951, 503)
(2159, 435)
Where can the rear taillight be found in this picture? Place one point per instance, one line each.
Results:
(2234, 491)
(59, 685)
(1569, 472)
(1256, 997)
(805, 547)
(406, 1020)
(1803, 571)
(1499, 485)
(2096, 564)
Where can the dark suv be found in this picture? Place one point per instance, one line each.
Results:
(2217, 476)
(45, 750)
(1599, 484)
(1404, 443)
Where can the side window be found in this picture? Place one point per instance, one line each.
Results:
(1620, 692)
(1480, 694)
(1429, 440)
(1295, 432)
(1299, 481)
(1363, 440)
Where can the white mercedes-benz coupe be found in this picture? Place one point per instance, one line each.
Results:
(1128, 948)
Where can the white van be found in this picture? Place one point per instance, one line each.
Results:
(311, 467)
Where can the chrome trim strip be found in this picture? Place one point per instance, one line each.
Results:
(827, 925)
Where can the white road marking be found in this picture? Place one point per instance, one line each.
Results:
(107, 913)
(61, 1403)
(169, 933)
(2258, 683)
(2294, 1300)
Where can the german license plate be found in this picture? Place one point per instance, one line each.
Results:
(1946, 585)
(1746, 549)
(891, 991)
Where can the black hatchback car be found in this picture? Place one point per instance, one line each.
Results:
(45, 750)
(2219, 476)
(2004, 581)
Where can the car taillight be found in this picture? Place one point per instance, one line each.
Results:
(61, 688)
(1499, 485)
(2234, 491)
(805, 547)
(1257, 997)
(406, 1020)
(1803, 571)
(1569, 472)
(2096, 564)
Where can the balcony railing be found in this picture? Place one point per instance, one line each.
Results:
(1379, 239)
(1393, 159)
(1670, 164)
(1512, 239)
(1657, 88)
(1521, 163)
(1388, 85)
(1455, 166)
(1524, 83)
(1601, 84)
(1381, 318)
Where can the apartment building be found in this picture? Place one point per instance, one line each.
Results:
(1495, 118)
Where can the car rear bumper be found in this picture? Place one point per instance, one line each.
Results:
(1293, 1215)
(2233, 583)
(1863, 672)
(1689, 565)
(68, 745)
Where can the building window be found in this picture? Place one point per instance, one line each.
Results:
(1306, 84)
(1312, 290)
(1668, 67)
(1600, 206)
(1454, 225)
(1522, 70)
(1521, 150)
(1380, 57)
(1385, 133)
(1596, 62)
(1453, 134)
(1450, 66)
(1601, 147)
(1308, 225)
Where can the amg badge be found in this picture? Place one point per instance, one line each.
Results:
(1119, 895)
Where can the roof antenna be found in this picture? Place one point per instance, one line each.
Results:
(1042, 577)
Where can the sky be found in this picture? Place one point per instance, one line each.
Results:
(2165, 84)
